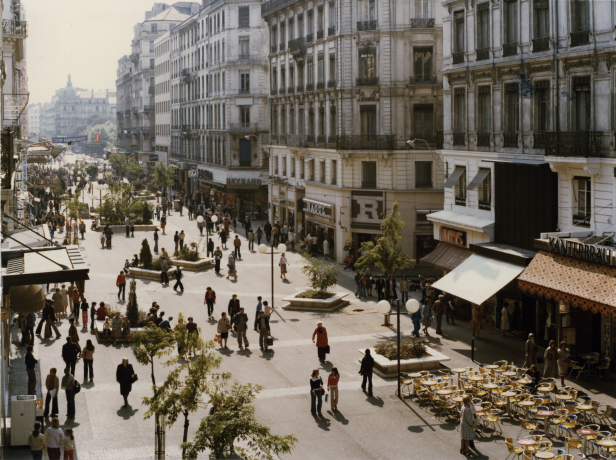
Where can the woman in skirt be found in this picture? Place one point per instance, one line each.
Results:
(231, 266)
(467, 425)
(283, 266)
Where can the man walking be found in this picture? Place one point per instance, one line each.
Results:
(217, 258)
(259, 309)
(210, 300)
(439, 308)
(276, 234)
(92, 315)
(127, 225)
(30, 369)
(30, 323)
(237, 243)
(121, 285)
(267, 228)
(177, 274)
(210, 248)
(233, 308)
(251, 240)
(164, 278)
(241, 326)
(50, 321)
(69, 354)
(531, 351)
(263, 329)
(52, 384)
(68, 383)
(267, 312)
(156, 240)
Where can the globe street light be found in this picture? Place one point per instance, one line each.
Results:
(263, 250)
(412, 305)
(213, 219)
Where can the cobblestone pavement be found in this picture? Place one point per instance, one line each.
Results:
(382, 427)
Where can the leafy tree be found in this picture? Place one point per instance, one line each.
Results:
(118, 162)
(236, 421)
(62, 185)
(92, 171)
(320, 275)
(384, 254)
(134, 168)
(132, 308)
(164, 176)
(147, 213)
(145, 256)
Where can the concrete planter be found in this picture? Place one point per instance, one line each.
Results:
(330, 304)
(195, 266)
(122, 228)
(143, 274)
(387, 368)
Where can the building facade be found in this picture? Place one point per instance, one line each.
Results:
(219, 110)
(162, 82)
(351, 83)
(34, 120)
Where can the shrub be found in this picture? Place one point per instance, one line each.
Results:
(147, 213)
(157, 263)
(145, 256)
(312, 294)
(320, 275)
(132, 308)
(409, 349)
(189, 253)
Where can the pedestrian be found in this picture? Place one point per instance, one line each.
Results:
(30, 323)
(276, 234)
(283, 266)
(84, 312)
(182, 236)
(505, 318)
(76, 298)
(109, 235)
(322, 343)
(251, 240)
(467, 425)
(68, 383)
(210, 248)
(125, 376)
(69, 355)
(121, 285)
(367, 364)
(132, 227)
(93, 310)
(369, 281)
(233, 308)
(163, 223)
(476, 321)
(391, 293)
(531, 351)
(223, 329)
(165, 323)
(47, 309)
(164, 278)
(82, 229)
(259, 235)
(332, 387)
(54, 439)
(192, 328)
(267, 313)
(357, 280)
(241, 326)
(74, 335)
(58, 301)
(426, 316)
(439, 308)
(563, 362)
(264, 331)
(316, 393)
(52, 384)
(176, 240)
(127, 226)
(31, 370)
(449, 310)
(259, 309)
(416, 318)
(156, 240)
(314, 245)
(102, 238)
(88, 361)
(222, 236)
(380, 287)
(101, 313)
(69, 444)
(362, 286)
(237, 243)
(210, 300)
(231, 265)
(550, 356)
(177, 274)
(267, 228)
(36, 442)
(404, 290)
(116, 327)
(217, 258)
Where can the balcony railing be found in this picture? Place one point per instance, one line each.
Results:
(243, 128)
(483, 54)
(273, 49)
(309, 139)
(282, 139)
(366, 142)
(331, 83)
(309, 37)
(423, 80)
(367, 81)
(147, 129)
(319, 34)
(581, 144)
(148, 108)
(297, 45)
(273, 91)
(483, 139)
(458, 58)
(539, 140)
(151, 90)
(510, 140)
(321, 140)
(541, 44)
(134, 57)
(310, 87)
(127, 112)
(296, 140)
(580, 38)
(16, 28)
(186, 128)
(510, 49)
(331, 31)
(282, 90)
(299, 89)
(244, 57)
(320, 85)
(135, 110)
(290, 89)
(366, 25)
(459, 138)
(332, 140)
(281, 47)
(422, 23)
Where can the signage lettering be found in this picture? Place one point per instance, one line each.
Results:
(318, 209)
(597, 254)
(205, 174)
(452, 236)
(367, 209)
(243, 181)
(65, 139)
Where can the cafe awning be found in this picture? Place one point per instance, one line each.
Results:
(582, 284)
(446, 257)
(478, 278)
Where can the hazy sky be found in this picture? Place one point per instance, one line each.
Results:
(82, 37)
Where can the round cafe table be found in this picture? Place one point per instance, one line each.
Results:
(429, 383)
(476, 378)
(509, 374)
(492, 367)
(458, 370)
(508, 395)
(527, 405)
(457, 399)
(584, 408)
(584, 432)
(490, 387)
(545, 414)
(527, 442)
(414, 376)
(478, 409)
(444, 392)
(544, 455)
(607, 443)
(564, 397)
(525, 382)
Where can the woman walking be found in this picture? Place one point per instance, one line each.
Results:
(322, 344)
(283, 266)
(426, 316)
(550, 356)
(231, 265)
(316, 393)
(54, 438)
(259, 235)
(404, 290)
(563, 362)
(88, 361)
(467, 425)
(223, 329)
(332, 387)
(36, 442)
(475, 324)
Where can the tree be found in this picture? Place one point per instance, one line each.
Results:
(320, 275)
(134, 168)
(164, 176)
(62, 185)
(145, 256)
(132, 308)
(236, 421)
(92, 171)
(147, 213)
(384, 254)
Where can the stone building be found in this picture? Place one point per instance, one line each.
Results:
(162, 88)
(351, 83)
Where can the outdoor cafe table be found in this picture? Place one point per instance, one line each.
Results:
(525, 381)
(444, 392)
(476, 378)
(545, 414)
(458, 370)
(544, 455)
(490, 387)
(509, 374)
(585, 432)
(429, 383)
(527, 442)
(414, 376)
(584, 408)
(508, 395)
(526, 405)
(607, 443)
(564, 397)
(492, 367)
(458, 399)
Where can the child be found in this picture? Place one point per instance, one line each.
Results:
(69, 444)
(107, 328)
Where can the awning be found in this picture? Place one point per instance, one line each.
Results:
(462, 221)
(478, 278)
(27, 299)
(446, 256)
(516, 161)
(455, 175)
(582, 284)
(478, 179)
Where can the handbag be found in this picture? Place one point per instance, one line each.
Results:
(134, 378)
(327, 349)
(76, 386)
(270, 341)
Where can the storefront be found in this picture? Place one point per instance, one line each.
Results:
(320, 219)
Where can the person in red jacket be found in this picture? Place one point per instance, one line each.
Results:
(322, 345)
(121, 284)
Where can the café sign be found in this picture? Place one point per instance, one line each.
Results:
(318, 209)
(589, 252)
(451, 236)
(243, 181)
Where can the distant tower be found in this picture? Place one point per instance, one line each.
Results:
(69, 80)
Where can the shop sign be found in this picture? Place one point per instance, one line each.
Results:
(243, 181)
(582, 251)
(205, 174)
(367, 208)
(452, 236)
(318, 209)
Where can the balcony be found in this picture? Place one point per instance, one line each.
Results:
(148, 108)
(422, 80)
(135, 110)
(16, 29)
(580, 38)
(309, 37)
(134, 57)
(309, 87)
(331, 83)
(151, 91)
(244, 57)
(310, 140)
(510, 49)
(296, 140)
(282, 90)
(331, 31)
(273, 49)
(273, 91)
(185, 73)
(297, 46)
(147, 130)
(539, 140)
(332, 140)
(460, 200)
(458, 58)
(321, 140)
(366, 142)
(510, 140)
(459, 138)
(282, 139)
(366, 25)
(580, 144)
(281, 47)
(320, 34)
(483, 54)
(299, 89)
(541, 44)
(422, 23)
(243, 128)
(367, 81)
(290, 89)
(127, 112)
(320, 85)
(483, 139)
(244, 91)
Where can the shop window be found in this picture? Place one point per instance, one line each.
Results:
(368, 174)
(582, 201)
(484, 193)
(423, 174)
(460, 189)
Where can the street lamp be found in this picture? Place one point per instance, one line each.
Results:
(213, 219)
(413, 144)
(263, 250)
(412, 305)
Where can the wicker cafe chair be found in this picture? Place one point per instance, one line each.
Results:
(405, 384)
(511, 449)
(574, 443)
(605, 415)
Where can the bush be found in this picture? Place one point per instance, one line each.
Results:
(147, 213)
(409, 349)
(189, 253)
(321, 275)
(312, 294)
(145, 256)
(157, 263)
(132, 308)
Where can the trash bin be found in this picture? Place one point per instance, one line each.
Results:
(177, 205)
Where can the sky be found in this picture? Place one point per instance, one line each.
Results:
(84, 38)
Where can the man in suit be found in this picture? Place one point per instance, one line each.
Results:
(234, 308)
(125, 376)
(241, 325)
(69, 354)
(264, 332)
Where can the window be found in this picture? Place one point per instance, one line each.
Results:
(311, 122)
(151, 46)
(368, 120)
(459, 110)
(367, 65)
(283, 76)
(334, 172)
(422, 9)
(244, 45)
(320, 18)
(369, 10)
(512, 101)
(302, 168)
(300, 74)
(581, 87)
(459, 32)
(484, 193)
(273, 38)
(152, 63)
(582, 196)
(332, 68)
(283, 120)
(542, 96)
(422, 115)
(300, 25)
(276, 165)
(310, 22)
(282, 35)
(245, 82)
(422, 59)
(292, 121)
(321, 121)
(368, 174)
(274, 121)
(291, 76)
(332, 121)
(243, 16)
(484, 109)
(301, 122)
(580, 20)
(332, 14)
(284, 166)
(322, 171)
(483, 31)
(423, 174)
(311, 170)
(320, 69)
(460, 189)
(274, 78)
(293, 162)
(154, 28)
(310, 74)
(542, 19)
(291, 32)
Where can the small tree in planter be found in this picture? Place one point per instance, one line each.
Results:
(321, 276)
(147, 213)
(145, 256)
(132, 308)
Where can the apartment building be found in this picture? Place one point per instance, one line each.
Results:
(162, 89)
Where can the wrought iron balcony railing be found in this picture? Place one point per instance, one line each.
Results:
(510, 140)
(273, 91)
(483, 139)
(580, 144)
(14, 28)
(366, 142)
(541, 44)
(282, 139)
(321, 140)
(297, 45)
(320, 85)
(423, 80)
(273, 49)
(299, 89)
(331, 83)
(243, 128)
(309, 139)
(483, 54)
(282, 90)
(331, 31)
(147, 129)
(281, 47)
(309, 37)
(186, 128)
(510, 49)
(310, 87)
(367, 81)
(580, 38)
(539, 140)
(440, 140)
(422, 23)
(319, 34)
(290, 89)
(296, 140)
(366, 25)
(459, 138)
(458, 58)
(148, 108)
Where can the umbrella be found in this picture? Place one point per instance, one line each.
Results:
(27, 299)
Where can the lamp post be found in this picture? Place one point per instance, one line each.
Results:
(214, 219)
(412, 305)
(263, 250)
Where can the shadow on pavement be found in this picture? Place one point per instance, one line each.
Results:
(127, 412)
(337, 415)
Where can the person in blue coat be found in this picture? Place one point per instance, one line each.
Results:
(416, 318)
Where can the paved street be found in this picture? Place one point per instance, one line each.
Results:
(382, 427)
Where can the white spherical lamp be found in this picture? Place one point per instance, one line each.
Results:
(383, 307)
(200, 219)
(262, 248)
(214, 218)
(412, 305)
(282, 247)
